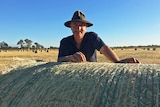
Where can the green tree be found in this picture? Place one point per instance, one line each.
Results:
(3, 45)
(28, 43)
(21, 43)
(38, 46)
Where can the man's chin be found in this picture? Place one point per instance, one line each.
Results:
(78, 34)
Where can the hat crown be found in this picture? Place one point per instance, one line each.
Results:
(78, 15)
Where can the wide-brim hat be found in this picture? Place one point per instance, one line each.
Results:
(78, 16)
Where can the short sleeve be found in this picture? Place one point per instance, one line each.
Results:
(63, 48)
(97, 41)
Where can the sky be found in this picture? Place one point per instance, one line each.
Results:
(117, 22)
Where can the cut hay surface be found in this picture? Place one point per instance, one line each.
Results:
(81, 85)
(18, 62)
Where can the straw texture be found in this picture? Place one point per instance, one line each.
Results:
(81, 85)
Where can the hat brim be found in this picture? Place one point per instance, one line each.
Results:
(68, 23)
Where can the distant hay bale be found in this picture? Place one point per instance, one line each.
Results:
(36, 51)
(82, 85)
(154, 49)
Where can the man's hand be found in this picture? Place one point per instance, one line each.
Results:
(128, 60)
(77, 57)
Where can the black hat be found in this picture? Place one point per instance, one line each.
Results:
(80, 17)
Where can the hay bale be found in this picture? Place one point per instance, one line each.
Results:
(82, 85)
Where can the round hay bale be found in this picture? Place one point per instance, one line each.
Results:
(82, 85)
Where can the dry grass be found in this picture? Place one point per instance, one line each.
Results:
(37, 80)
(14, 58)
(11, 58)
(144, 56)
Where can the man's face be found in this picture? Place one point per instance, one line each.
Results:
(78, 29)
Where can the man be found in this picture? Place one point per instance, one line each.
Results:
(82, 45)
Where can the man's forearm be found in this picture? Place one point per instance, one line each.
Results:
(111, 55)
(64, 59)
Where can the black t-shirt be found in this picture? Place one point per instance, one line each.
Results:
(90, 43)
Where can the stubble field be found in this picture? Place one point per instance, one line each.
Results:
(13, 58)
(29, 79)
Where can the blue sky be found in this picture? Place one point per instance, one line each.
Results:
(117, 22)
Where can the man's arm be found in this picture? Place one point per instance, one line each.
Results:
(77, 57)
(64, 59)
(111, 55)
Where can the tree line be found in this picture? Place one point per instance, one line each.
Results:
(23, 44)
(27, 43)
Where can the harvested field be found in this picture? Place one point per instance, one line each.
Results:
(29, 79)
(145, 56)
(52, 84)
(13, 58)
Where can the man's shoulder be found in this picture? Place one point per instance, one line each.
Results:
(67, 38)
(91, 33)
